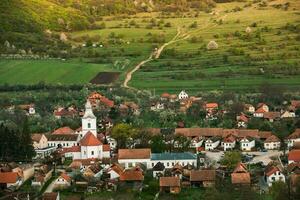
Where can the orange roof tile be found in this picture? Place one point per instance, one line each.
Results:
(295, 134)
(132, 175)
(272, 138)
(240, 168)
(66, 177)
(172, 181)
(134, 153)
(240, 178)
(203, 175)
(117, 168)
(8, 177)
(294, 155)
(165, 95)
(71, 149)
(89, 140)
(271, 170)
(211, 105)
(63, 130)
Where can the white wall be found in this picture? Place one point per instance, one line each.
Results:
(247, 146)
(128, 163)
(171, 163)
(271, 145)
(277, 176)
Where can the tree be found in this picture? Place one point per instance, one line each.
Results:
(123, 133)
(279, 191)
(158, 144)
(231, 159)
(26, 142)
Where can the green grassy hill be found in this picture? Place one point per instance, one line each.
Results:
(258, 41)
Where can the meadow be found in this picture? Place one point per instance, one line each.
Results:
(258, 42)
(48, 71)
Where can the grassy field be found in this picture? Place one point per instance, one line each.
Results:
(269, 52)
(49, 71)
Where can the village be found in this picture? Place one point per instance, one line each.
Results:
(101, 156)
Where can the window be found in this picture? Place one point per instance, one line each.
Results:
(168, 164)
(92, 153)
(89, 125)
(152, 164)
(84, 152)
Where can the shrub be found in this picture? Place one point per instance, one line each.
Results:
(248, 30)
(212, 45)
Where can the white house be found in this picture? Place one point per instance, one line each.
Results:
(247, 143)
(132, 157)
(40, 145)
(157, 106)
(211, 144)
(169, 160)
(228, 143)
(272, 142)
(196, 142)
(292, 138)
(287, 114)
(183, 95)
(249, 108)
(261, 109)
(273, 174)
(63, 181)
(114, 171)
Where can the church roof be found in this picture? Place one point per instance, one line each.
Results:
(89, 140)
(63, 130)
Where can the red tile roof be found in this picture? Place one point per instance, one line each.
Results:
(66, 177)
(203, 175)
(63, 130)
(271, 170)
(229, 139)
(71, 149)
(117, 168)
(272, 138)
(89, 140)
(272, 115)
(134, 153)
(50, 196)
(294, 155)
(240, 168)
(295, 134)
(240, 178)
(8, 177)
(211, 105)
(165, 95)
(172, 181)
(132, 175)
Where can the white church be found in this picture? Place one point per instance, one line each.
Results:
(87, 145)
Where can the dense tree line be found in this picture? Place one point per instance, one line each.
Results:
(16, 143)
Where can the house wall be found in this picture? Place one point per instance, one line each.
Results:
(128, 163)
(292, 141)
(208, 183)
(211, 145)
(43, 143)
(272, 145)
(91, 152)
(113, 174)
(247, 146)
(228, 145)
(277, 176)
(171, 163)
(62, 143)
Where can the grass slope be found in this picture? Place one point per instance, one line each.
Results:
(50, 71)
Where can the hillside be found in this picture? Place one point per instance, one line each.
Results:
(257, 43)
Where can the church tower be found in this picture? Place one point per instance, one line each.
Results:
(89, 120)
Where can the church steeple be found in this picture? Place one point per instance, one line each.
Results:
(89, 120)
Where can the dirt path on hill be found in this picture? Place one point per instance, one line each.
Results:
(154, 55)
(157, 52)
